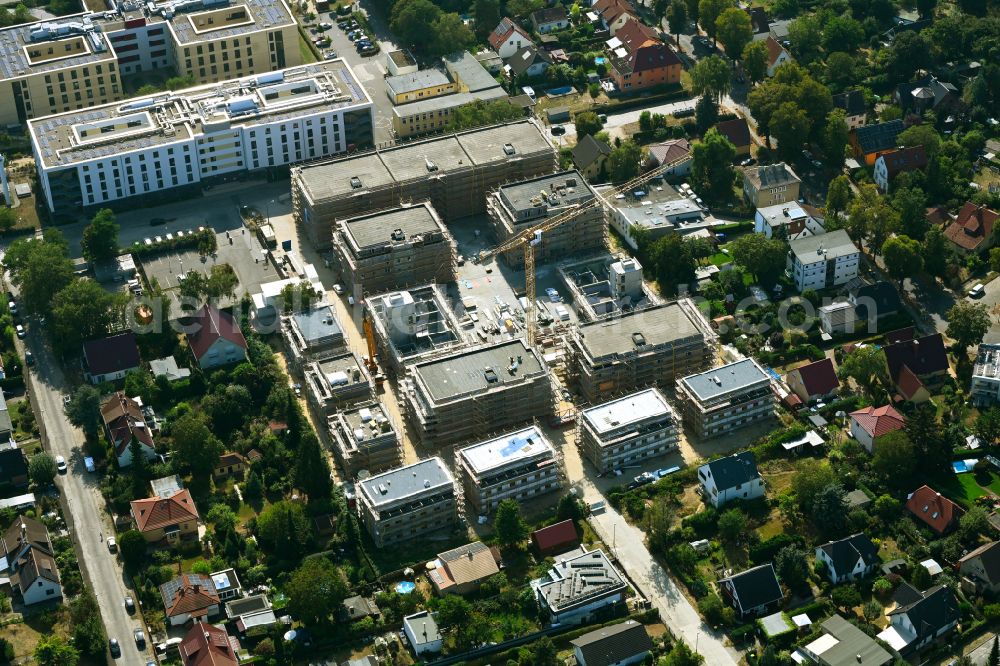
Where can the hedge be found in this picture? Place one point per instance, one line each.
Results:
(764, 551)
(167, 245)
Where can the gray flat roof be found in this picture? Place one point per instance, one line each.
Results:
(426, 476)
(318, 323)
(478, 370)
(626, 410)
(375, 229)
(525, 194)
(423, 78)
(823, 247)
(732, 377)
(581, 578)
(657, 325)
(447, 102)
(523, 444)
(470, 71)
(14, 60)
(266, 14)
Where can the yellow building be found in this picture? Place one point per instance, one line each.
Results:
(770, 185)
(433, 115)
(420, 85)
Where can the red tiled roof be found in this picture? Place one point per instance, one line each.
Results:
(635, 33)
(972, 226)
(191, 594)
(156, 512)
(933, 508)
(774, 50)
(230, 458)
(904, 159)
(207, 645)
(124, 420)
(908, 383)
(503, 31)
(211, 324)
(736, 130)
(819, 378)
(555, 536)
(878, 421)
(610, 10)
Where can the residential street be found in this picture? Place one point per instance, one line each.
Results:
(86, 519)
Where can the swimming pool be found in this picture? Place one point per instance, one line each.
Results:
(405, 587)
(600, 60)
(559, 92)
(961, 466)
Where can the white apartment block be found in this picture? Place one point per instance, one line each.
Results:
(723, 399)
(824, 261)
(519, 465)
(184, 138)
(628, 430)
(985, 389)
(407, 502)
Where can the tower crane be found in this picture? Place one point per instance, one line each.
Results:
(531, 238)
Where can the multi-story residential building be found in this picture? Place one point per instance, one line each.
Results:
(312, 335)
(336, 381)
(518, 206)
(408, 502)
(395, 248)
(894, 162)
(788, 221)
(472, 393)
(656, 345)
(365, 438)
(519, 465)
(770, 185)
(824, 261)
(853, 104)
(178, 140)
(578, 587)
(638, 59)
(74, 62)
(985, 389)
(628, 430)
(717, 401)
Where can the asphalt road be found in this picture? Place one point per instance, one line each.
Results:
(87, 520)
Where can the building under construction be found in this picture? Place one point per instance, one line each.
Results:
(411, 502)
(654, 346)
(606, 286)
(394, 248)
(334, 382)
(454, 172)
(365, 438)
(413, 325)
(519, 206)
(474, 393)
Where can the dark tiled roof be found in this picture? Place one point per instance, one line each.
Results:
(736, 130)
(881, 293)
(525, 57)
(758, 19)
(852, 102)
(819, 377)
(935, 609)
(549, 15)
(756, 587)
(989, 555)
(876, 138)
(13, 465)
(734, 470)
(587, 150)
(614, 644)
(924, 356)
(904, 159)
(845, 553)
(111, 354)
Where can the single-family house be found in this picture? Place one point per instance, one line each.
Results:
(358, 608)
(227, 584)
(938, 216)
(189, 597)
(848, 559)
(461, 570)
(843, 644)
(215, 338)
(614, 13)
(920, 618)
(676, 152)
(577, 587)
(852, 103)
(549, 19)
(507, 38)
(870, 424)
(837, 317)
(894, 162)
(527, 61)
(590, 157)
(110, 359)
(787, 221)
(737, 131)
(870, 141)
(980, 569)
(208, 645)
(934, 509)
(926, 93)
(124, 423)
(27, 561)
(972, 230)
(618, 645)
(13, 470)
(168, 519)
(759, 21)
(873, 301)
(916, 364)
(167, 367)
(641, 60)
(555, 539)
(731, 478)
(421, 629)
(814, 381)
(777, 55)
(253, 615)
(753, 592)
(232, 464)
(770, 185)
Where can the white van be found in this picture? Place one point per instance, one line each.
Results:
(978, 291)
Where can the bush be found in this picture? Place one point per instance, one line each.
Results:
(187, 241)
(764, 551)
(703, 522)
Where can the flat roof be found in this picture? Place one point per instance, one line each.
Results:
(823, 247)
(14, 58)
(447, 102)
(377, 228)
(173, 117)
(183, 18)
(523, 444)
(580, 578)
(360, 418)
(731, 377)
(566, 188)
(468, 68)
(318, 323)
(424, 477)
(381, 167)
(627, 410)
(422, 78)
(478, 370)
(658, 325)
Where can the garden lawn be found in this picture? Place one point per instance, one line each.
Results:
(961, 488)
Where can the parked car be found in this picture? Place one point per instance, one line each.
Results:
(20, 331)
(29, 359)
(338, 288)
(140, 639)
(12, 306)
(61, 464)
(116, 649)
(553, 295)
(330, 55)
(112, 545)
(558, 130)
(325, 26)
(978, 291)
(129, 605)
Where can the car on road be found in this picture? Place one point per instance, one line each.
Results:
(140, 639)
(116, 649)
(130, 605)
(748, 162)
(112, 545)
(61, 464)
(338, 289)
(12, 306)
(20, 331)
(978, 291)
(29, 359)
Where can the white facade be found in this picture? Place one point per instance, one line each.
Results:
(41, 589)
(862, 436)
(822, 262)
(176, 139)
(221, 352)
(718, 497)
(985, 387)
(514, 41)
(789, 218)
(519, 465)
(881, 174)
(839, 317)
(628, 430)
(422, 632)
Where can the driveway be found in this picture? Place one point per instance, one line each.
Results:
(87, 522)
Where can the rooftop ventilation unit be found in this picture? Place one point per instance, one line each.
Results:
(491, 376)
(430, 165)
(355, 183)
(638, 339)
(508, 149)
(398, 235)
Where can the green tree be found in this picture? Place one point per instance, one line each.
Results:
(871, 218)
(911, 204)
(452, 611)
(193, 444)
(836, 135)
(711, 76)
(39, 269)
(587, 122)
(81, 311)
(316, 590)
(712, 165)
(84, 409)
(902, 256)
(845, 597)
(790, 126)
(987, 427)
(925, 8)
(838, 196)
(8, 219)
(732, 525)
(100, 237)
(936, 252)
(179, 83)
(806, 35)
(299, 297)
(841, 70)
(545, 653)
(843, 33)
(761, 256)
(222, 517)
(284, 527)
(523, 7)
(921, 578)
(450, 34)
(866, 366)
(254, 490)
(792, 566)
(572, 508)
(88, 629)
(706, 113)
(312, 471)
(709, 12)
(677, 18)
(895, 458)
(483, 112)
(681, 655)
(42, 469)
(872, 610)
(967, 323)
(486, 14)
(921, 135)
(671, 262)
(132, 546)
(659, 518)
(53, 650)
(755, 60)
(812, 477)
(829, 511)
(735, 31)
(510, 528)
(413, 21)
(786, 9)
(624, 161)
